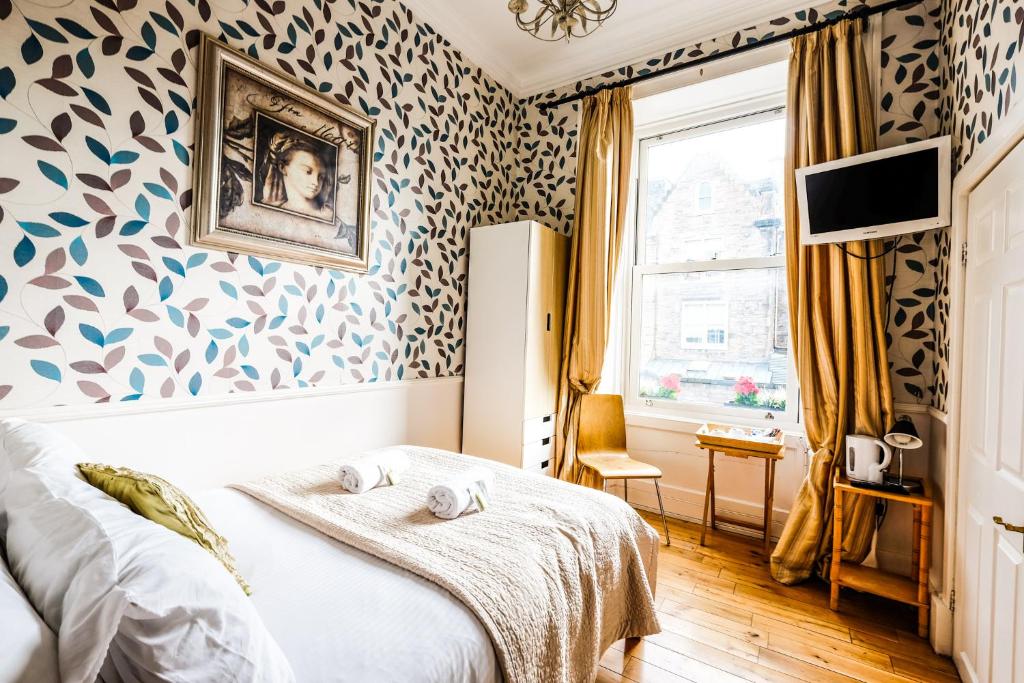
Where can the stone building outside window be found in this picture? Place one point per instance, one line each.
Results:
(710, 321)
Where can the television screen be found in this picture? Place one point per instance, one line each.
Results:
(874, 193)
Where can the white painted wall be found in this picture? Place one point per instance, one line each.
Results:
(668, 442)
(204, 443)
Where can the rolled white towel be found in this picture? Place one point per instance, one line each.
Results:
(376, 468)
(474, 487)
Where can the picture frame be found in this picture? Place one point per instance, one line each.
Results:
(279, 170)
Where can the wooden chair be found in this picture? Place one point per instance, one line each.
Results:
(601, 446)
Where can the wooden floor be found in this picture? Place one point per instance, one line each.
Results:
(724, 619)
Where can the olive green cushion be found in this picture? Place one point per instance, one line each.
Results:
(160, 501)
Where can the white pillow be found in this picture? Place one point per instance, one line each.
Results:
(29, 646)
(104, 577)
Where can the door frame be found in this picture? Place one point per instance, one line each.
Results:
(1008, 133)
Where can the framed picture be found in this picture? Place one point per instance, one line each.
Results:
(280, 171)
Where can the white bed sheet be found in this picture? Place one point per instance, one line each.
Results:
(28, 648)
(340, 614)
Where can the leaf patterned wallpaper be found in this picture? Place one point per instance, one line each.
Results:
(981, 46)
(908, 96)
(101, 299)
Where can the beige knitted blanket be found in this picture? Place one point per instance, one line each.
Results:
(555, 572)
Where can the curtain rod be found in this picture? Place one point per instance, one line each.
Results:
(859, 12)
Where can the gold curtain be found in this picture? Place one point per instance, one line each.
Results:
(602, 191)
(836, 302)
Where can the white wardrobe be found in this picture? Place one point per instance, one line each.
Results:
(515, 308)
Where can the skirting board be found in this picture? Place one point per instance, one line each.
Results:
(688, 505)
(940, 634)
(205, 443)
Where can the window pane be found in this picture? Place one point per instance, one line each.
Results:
(717, 195)
(716, 338)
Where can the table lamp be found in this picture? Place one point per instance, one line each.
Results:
(903, 436)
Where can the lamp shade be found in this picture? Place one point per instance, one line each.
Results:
(903, 435)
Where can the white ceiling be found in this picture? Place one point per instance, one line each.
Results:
(486, 32)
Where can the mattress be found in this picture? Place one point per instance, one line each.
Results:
(340, 614)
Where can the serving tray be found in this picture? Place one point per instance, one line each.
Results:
(744, 438)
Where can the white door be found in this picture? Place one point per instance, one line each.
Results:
(989, 620)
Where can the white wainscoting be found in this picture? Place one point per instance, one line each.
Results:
(205, 443)
(941, 632)
(739, 484)
(668, 442)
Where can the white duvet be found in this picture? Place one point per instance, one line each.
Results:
(342, 615)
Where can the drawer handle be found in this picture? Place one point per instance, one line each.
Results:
(545, 441)
(544, 465)
(546, 418)
(549, 322)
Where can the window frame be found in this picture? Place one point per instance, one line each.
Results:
(695, 124)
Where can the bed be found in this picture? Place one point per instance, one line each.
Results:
(362, 610)
(351, 603)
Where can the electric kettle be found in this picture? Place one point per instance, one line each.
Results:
(866, 458)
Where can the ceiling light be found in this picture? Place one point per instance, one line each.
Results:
(557, 19)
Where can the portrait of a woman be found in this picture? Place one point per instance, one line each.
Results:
(281, 172)
(295, 171)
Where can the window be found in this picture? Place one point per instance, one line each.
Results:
(704, 197)
(703, 324)
(709, 316)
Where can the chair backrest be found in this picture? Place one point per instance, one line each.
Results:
(602, 425)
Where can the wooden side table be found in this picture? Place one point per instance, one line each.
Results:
(912, 591)
(770, 458)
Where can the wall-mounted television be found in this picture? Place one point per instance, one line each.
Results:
(879, 194)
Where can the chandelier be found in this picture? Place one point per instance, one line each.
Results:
(557, 19)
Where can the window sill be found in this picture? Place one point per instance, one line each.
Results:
(691, 422)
